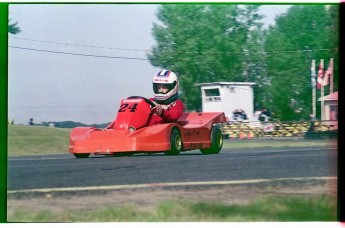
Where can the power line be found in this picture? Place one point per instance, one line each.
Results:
(184, 52)
(145, 59)
(80, 45)
(78, 54)
(63, 106)
(261, 52)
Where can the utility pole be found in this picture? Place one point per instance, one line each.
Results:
(313, 84)
(331, 76)
(322, 91)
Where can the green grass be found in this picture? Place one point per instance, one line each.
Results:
(271, 209)
(39, 140)
(273, 143)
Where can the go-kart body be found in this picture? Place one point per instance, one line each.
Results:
(130, 133)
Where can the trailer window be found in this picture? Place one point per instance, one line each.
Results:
(212, 92)
(212, 95)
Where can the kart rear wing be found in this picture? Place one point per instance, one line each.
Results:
(199, 119)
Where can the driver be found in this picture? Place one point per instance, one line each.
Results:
(168, 107)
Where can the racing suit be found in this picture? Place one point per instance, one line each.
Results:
(170, 113)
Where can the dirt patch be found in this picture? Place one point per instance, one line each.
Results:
(149, 198)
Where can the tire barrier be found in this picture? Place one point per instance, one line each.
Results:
(250, 130)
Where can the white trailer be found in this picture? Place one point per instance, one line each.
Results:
(228, 96)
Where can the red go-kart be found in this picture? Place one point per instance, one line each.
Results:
(129, 133)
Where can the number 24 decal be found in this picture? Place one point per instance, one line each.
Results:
(131, 108)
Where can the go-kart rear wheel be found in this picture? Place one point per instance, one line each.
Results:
(216, 142)
(175, 142)
(81, 155)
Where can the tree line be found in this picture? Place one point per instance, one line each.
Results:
(228, 42)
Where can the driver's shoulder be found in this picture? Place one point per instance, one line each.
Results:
(179, 102)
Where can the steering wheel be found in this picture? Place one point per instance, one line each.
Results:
(144, 98)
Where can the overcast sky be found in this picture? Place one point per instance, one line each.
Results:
(87, 88)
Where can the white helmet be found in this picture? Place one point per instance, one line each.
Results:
(170, 80)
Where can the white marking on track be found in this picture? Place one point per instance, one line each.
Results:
(173, 184)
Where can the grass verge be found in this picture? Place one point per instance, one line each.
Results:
(274, 143)
(275, 209)
(37, 140)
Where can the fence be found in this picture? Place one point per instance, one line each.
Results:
(243, 129)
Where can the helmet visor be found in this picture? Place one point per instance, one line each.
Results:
(157, 87)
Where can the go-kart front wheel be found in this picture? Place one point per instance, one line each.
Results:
(81, 155)
(175, 142)
(216, 142)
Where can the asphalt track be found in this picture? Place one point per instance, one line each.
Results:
(66, 172)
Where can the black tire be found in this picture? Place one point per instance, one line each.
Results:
(81, 155)
(175, 142)
(216, 142)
